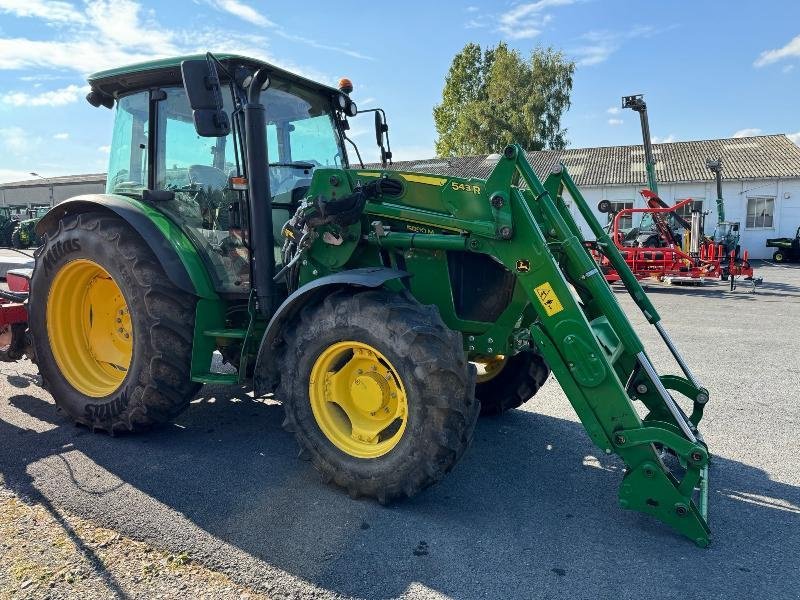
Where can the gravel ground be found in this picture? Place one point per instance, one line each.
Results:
(530, 512)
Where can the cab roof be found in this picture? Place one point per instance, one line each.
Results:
(165, 71)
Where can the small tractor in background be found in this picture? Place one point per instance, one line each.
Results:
(384, 309)
(24, 235)
(665, 245)
(787, 249)
(8, 223)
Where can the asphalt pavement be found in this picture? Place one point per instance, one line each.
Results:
(530, 512)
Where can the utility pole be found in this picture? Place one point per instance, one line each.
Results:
(50, 182)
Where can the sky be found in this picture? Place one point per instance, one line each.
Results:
(708, 69)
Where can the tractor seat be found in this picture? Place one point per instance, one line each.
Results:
(208, 177)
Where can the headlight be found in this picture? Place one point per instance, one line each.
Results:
(352, 109)
(342, 100)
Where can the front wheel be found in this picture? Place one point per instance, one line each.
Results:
(379, 393)
(111, 335)
(507, 383)
(778, 256)
(17, 241)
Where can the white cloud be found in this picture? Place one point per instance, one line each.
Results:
(50, 11)
(526, 20)
(795, 137)
(112, 34)
(16, 141)
(244, 12)
(249, 14)
(664, 140)
(600, 45)
(787, 68)
(615, 122)
(790, 50)
(614, 110)
(60, 97)
(104, 149)
(472, 9)
(747, 132)
(61, 136)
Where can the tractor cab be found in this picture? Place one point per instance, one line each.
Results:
(157, 154)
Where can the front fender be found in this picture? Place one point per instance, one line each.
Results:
(174, 250)
(265, 373)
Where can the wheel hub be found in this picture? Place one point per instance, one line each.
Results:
(357, 399)
(89, 328)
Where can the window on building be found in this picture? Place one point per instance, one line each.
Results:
(626, 221)
(760, 211)
(686, 211)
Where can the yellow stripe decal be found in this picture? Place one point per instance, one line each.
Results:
(368, 174)
(548, 299)
(426, 179)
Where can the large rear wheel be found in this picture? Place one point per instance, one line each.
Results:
(112, 336)
(379, 393)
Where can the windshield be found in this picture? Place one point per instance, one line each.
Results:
(301, 135)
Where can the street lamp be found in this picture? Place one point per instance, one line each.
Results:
(52, 203)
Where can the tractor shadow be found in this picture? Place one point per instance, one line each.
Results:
(531, 509)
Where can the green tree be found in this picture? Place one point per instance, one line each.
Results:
(493, 97)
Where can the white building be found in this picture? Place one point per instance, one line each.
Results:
(48, 191)
(760, 180)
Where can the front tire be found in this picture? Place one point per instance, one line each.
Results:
(112, 336)
(379, 393)
(510, 384)
(16, 240)
(778, 256)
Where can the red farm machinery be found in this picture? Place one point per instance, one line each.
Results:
(665, 245)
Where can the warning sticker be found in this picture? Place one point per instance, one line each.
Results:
(548, 299)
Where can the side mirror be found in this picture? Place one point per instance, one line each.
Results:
(381, 133)
(380, 128)
(202, 86)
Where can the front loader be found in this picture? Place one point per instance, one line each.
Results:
(384, 309)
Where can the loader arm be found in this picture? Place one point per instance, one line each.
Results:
(597, 356)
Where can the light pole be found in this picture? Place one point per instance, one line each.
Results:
(50, 182)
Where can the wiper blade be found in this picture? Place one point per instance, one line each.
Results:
(295, 165)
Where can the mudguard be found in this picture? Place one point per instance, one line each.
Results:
(173, 249)
(264, 378)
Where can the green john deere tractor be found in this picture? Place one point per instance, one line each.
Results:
(384, 309)
(8, 223)
(786, 249)
(24, 235)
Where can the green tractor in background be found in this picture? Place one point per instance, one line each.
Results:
(786, 249)
(24, 235)
(385, 310)
(8, 223)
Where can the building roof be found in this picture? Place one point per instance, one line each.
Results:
(759, 157)
(63, 180)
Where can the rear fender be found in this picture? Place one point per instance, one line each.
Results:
(266, 369)
(173, 249)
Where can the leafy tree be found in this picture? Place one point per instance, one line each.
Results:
(493, 97)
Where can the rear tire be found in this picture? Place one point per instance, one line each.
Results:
(520, 378)
(420, 358)
(155, 319)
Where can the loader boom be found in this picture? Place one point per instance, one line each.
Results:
(587, 340)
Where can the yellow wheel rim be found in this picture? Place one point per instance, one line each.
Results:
(358, 399)
(89, 327)
(489, 367)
